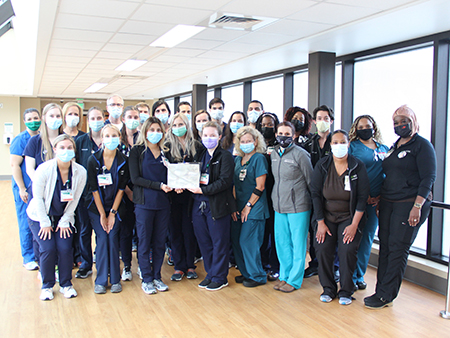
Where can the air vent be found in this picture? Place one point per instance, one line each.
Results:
(236, 21)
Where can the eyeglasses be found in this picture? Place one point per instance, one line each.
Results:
(116, 104)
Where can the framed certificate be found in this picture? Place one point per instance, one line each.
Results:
(183, 175)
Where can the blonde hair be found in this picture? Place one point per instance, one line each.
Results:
(64, 112)
(113, 95)
(260, 147)
(110, 126)
(175, 143)
(142, 138)
(376, 131)
(64, 137)
(46, 145)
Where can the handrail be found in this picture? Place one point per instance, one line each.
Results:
(444, 313)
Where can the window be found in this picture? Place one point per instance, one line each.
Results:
(301, 89)
(209, 97)
(338, 97)
(270, 93)
(385, 83)
(187, 98)
(171, 102)
(233, 97)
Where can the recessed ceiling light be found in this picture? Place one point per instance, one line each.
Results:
(131, 65)
(176, 35)
(95, 87)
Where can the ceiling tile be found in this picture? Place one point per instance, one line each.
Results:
(183, 52)
(71, 52)
(73, 44)
(379, 4)
(59, 58)
(267, 8)
(93, 23)
(298, 29)
(223, 55)
(173, 15)
(133, 39)
(120, 47)
(81, 35)
(124, 55)
(218, 34)
(200, 44)
(169, 58)
(99, 8)
(210, 4)
(266, 39)
(147, 28)
(242, 47)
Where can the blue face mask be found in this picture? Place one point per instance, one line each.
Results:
(143, 117)
(154, 137)
(188, 117)
(253, 116)
(53, 124)
(247, 147)
(235, 126)
(65, 155)
(132, 124)
(163, 118)
(111, 142)
(96, 126)
(115, 112)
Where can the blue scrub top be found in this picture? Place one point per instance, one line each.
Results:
(17, 147)
(373, 160)
(33, 149)
(255, 167)
(57, 207)
(153, 169)
(206, 159)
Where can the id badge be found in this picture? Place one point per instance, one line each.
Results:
(242, 174)
(105, 179)
(66, 195)
(204, 178)
(269, 150)
(347, 183)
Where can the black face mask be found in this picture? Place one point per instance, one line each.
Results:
(403, 130)
(298, 125)
(364, 134)
(284, 141)
(268, 132)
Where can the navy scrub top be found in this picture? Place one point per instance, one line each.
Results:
(206, 159)
(57, 207)
(110, 191)
(33, 149)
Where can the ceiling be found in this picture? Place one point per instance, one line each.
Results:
(60, 48)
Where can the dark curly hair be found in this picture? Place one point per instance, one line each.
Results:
(308, 118)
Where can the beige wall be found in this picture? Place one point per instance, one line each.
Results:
(9, 112)
(28, 102)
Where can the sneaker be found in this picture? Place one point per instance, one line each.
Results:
(116, 288)
(99, 289)
(204, 283)
(94, 258)
(239, 279)
(361, 285)
(126, 274)
(214, 286)
(345, 300)
(68, 292)
(83, 273)
(31, 266)
(159, 285)
(134, 248)
(170, 258)
(177, 275)
(148, 288)
(139, 273)
(325, 298)
(56, 274)
(375, 302)
(250, 283)
(191, 274)
(197, 259)
(46, 294)
(273, 276)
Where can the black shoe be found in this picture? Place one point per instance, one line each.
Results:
(239, 279)
(355, 288)
(214, 286)
(273, 276)
(311, 271)
(361, 285)
(204, 283)
(250, 283)
(375, 302)
(83, 273)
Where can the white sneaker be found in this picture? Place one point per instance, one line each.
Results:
(148, 288)
(46, 294)
(31, 266)
(345, 300)
(126, 274)
(139, 273)
(68, 292)
(325, 298)
(159, 285)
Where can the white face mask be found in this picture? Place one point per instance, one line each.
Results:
(339, 150)
(72, 121)
(253, 116)
(323, 126)
(217, 114)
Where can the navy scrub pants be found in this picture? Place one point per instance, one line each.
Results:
(126, 232)
(85, 229)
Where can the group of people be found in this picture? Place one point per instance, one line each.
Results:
(264, 185)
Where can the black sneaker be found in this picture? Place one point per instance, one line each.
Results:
(83, 273)
(239, 279)
(204, 283)
(311, 271)
(250, 283)
(361, 285)
(375, 302)
(214, 286)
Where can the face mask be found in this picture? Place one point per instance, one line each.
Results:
(364, 134)
(298, 125)
(234, 126)
(181, 131)
(96, 126)
(339, 150)
(188, 117)
(111, 142)
(284, 141)
(33, 125)
(53, 124)
(65, 155)
(252, 116)
(143, 117)
(115, 112)
(217, 114)
(132, 124)
(72, 121)
(403, 130)
(154, 137)
(210, 142)
(247, 147)
(200, 125)
(163, 118)
(323, 126)
(268, 132)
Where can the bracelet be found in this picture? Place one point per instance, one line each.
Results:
(418, 205)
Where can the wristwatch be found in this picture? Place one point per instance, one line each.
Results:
(114, 212)
(418, 205)
(249, 205)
